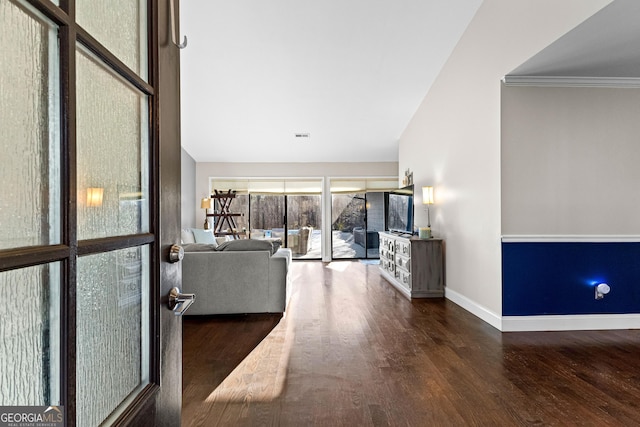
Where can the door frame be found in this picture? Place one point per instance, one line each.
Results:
(160, 403)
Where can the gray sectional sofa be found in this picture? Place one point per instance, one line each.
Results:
(240, 276)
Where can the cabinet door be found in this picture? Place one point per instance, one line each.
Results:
(384, 254)
(403, 262)
(390, 245)
(404, 278)
(403, 247)
(390, 266)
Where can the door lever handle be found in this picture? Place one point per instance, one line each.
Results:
(178, 302)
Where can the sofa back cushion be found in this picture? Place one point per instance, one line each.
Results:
(199, 247)
(247, 245)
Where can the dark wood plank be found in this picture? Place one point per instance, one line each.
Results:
(351, 350)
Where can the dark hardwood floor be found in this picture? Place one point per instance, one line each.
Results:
(351, 351)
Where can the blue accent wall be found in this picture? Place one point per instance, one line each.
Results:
(559, 278)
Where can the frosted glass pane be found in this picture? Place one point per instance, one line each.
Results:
(29, 336)
(112, 331)
(29, 129)
(121, 26)
(112, 153)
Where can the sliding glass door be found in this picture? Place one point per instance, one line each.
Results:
(358, 213)
(304, 225)
(356, 219)
(291, 209)
(286, 209)
(348, 222)
(298, 230)
(266, 216)
(376, 221)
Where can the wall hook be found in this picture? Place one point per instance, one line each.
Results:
(174, 39)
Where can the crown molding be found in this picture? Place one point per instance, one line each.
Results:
(569, 81)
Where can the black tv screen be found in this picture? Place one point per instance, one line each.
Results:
(400, 216)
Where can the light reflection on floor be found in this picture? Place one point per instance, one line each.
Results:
(339, 265)
(343, 247)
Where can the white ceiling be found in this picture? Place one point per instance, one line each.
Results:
(349, 72)
(605, 45)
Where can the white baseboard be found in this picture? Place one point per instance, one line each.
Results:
(576, 238)
(474, 308)
(581, 322)
(569, 322)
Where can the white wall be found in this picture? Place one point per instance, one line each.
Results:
(570, 161)
(188, 190)
(453, 141)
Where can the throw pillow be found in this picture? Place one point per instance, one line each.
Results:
(247, 245)
(199, 247)
(186, 236)
(204, 236)
(276, 244)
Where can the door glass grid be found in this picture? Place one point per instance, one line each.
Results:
(30, 215)
(121, 26)
(112, 338)
(30, 336)
(29, 125)
(112, 153)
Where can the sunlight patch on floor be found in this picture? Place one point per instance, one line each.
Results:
(339, 266)
(248, 382)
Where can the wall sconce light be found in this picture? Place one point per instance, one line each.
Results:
(601, 290)
(206, 203)
(94, 196)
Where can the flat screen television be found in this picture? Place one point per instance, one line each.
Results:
(400, 213)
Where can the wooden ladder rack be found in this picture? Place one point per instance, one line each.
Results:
(225, 216)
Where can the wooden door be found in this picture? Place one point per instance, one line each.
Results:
(90, 113)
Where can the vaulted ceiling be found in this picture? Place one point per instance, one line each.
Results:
(350, 74)
(607, 45)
